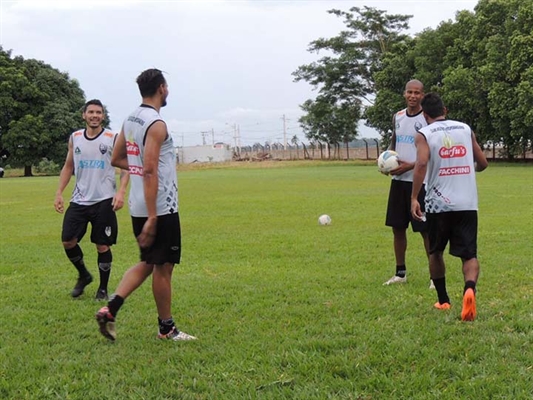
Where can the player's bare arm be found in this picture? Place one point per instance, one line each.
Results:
(155, 136)
(119, 158)
(392, 145)
(479, 156)
(422, 158)
(118, 199)
(64, 179)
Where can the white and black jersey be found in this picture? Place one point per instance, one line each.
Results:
(95, 176)
(451, 180)
(135, 128)
(405, 127)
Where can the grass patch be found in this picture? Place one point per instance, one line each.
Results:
(283, 308)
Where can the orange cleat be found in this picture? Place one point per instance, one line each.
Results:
(443, 306)
(469, 305)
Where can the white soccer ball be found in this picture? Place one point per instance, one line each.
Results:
(324, 219)
(387, 161)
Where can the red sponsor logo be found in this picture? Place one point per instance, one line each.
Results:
(132, 148)
(452, 152)
(447, 171)
(135, 170)
(79, 133)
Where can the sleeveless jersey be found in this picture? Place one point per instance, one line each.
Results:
(135, 128)
(406, 127)
(451, 179)
(95, 176)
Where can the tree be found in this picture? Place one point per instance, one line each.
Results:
(481, 64)
(41, 106)
(345, 79)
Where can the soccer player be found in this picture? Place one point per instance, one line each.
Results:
(448, 152)
(94, 199)
(405, 125)
(145, 148)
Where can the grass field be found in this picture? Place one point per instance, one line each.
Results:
(283, 308)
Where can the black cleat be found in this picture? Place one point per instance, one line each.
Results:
(80, 285)
(101, 295)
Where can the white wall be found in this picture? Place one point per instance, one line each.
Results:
(203, 154)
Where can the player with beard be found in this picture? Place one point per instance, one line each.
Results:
(94, 199)
(145, 148)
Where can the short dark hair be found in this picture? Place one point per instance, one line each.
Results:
(432, 105)
(149, 81)
(93, 102)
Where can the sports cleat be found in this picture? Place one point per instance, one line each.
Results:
(431, 284)
(101, 295)
(80, 285)
(176, 335)
(396, 279)
(443, 306)
(469, 305)
(106, 322)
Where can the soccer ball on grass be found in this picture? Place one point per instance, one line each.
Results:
(324, 219)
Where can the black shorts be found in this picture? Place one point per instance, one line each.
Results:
(457, 227)
(399, 206)
(167, 243)
(104, 227)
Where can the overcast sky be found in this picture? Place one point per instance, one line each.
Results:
(228, 63)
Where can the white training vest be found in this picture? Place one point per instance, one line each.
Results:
(135, 128)
(451, 179)
(406, 127)
(95, 176)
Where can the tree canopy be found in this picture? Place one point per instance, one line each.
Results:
(40, 106)
(481, 63)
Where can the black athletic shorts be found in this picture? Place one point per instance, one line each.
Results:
(457, 227)
(399, 206)
(104, 227)
(167, 243)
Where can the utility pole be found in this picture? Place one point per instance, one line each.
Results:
(204, 133)
(284, 132)
(213, 136)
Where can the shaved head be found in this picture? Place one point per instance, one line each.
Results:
(415, 82)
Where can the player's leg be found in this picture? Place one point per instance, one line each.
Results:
(104, 234)
(422, 227)
(74, 228)
(132, 279)
(438, 234)
(463, 244)
(166, 252)
(398, 219)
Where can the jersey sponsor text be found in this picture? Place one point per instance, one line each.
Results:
(449, 171)
(91, 164)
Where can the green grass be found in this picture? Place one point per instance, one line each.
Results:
(283, 308)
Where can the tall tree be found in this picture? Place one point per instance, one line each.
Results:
(41, 106)
(345, 77)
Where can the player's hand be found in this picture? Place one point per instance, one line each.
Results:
(416, 211)
(118, 202)
(59, 205)
(402, 168)
(147, 236)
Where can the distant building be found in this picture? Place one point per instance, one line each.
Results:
(219, 152)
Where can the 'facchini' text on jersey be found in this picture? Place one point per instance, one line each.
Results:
(95, 176)
(451, 179)
(406, 127)
(135, 128)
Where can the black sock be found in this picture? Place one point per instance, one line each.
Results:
(75, 255)
(104, 267)
(114, 304)
(440, 287)
(401, 270)
(470, 285)
(165, 325)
